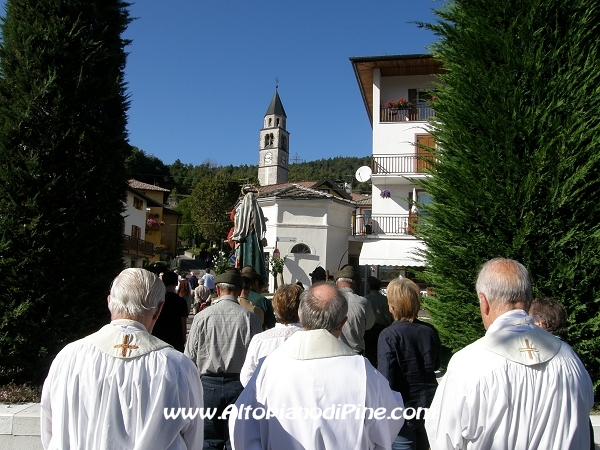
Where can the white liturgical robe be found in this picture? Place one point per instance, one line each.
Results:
(109, 390)
(517, 388)
(263, 344)
(315, 390)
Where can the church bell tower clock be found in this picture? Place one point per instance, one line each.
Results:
(273, 151)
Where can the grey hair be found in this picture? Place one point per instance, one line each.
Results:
(229, 287)
(345, 280)
(135, 293)
(319, 312)
(504, 282)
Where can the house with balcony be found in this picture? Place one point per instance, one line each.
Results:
(135, 246)
(396, 92)
(161, 223)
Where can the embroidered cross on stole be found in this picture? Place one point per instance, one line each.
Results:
(125, 345)
(118, 344)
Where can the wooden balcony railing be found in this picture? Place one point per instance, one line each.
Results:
(391, 225)
(135, 246)
(400, 164)
(412, 114)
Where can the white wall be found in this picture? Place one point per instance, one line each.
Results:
(322, 224)
(134, 216)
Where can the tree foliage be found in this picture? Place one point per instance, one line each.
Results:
(517, 173)
(62, 151)
(211, 203)
(148, 169)
(187, 229)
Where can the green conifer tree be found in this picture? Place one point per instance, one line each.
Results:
(517, 170)
(63, 144)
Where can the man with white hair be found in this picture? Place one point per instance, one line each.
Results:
(518, 387)
(201, 295)
(111, 389)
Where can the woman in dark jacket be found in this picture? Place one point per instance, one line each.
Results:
(408, 354)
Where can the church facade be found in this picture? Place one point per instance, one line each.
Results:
(308, 222)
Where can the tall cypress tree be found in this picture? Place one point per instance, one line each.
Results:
(63, 143)
(517, 172)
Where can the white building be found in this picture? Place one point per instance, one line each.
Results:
(135, 247)
(383, 238)
(308, 222)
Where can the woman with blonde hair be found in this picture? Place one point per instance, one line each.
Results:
(286, 302)
(408, 354)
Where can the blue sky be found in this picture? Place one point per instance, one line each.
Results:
(201, 74)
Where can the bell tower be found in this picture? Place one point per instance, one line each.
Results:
(274, 153)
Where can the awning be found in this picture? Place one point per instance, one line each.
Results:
(396, 252)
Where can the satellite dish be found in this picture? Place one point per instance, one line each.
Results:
(363, 173)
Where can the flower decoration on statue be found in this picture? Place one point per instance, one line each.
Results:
(401, 103)
(385, 193)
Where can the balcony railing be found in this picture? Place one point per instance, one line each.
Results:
(412, 114)
(400, 164)
(391, 225)
(135, 246)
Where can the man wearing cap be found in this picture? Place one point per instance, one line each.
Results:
(217, 344)
(243, 300)
(360, 312)
(318, 275)
(383, 318)
(255, 296)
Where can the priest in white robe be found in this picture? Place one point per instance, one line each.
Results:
(317, 393)
(110, 390)
(518, 387)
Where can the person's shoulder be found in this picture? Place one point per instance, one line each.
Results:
(475, 361)
(252, 295)
(174, 361)
(173, 297)
(425, 326)
(72, 348)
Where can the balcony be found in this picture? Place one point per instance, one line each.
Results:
(389, 225)
(401, 164)
(139, 247)
(420, 112)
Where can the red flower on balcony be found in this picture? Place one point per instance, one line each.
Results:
(401, 103)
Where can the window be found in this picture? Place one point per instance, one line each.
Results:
(300, 248)
(136, 232)
(138, 203)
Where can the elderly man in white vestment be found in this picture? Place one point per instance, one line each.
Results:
(316, 392)
(518, 387)
(109, 390)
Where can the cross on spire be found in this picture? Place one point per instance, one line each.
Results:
(276, 82)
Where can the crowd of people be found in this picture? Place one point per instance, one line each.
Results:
(315, 368)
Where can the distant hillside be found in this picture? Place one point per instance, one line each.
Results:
(184, 177)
